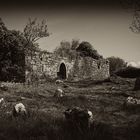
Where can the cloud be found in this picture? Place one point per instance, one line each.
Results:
(139, 63)
(134, 64)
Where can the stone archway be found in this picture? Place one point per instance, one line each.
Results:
(62, 71)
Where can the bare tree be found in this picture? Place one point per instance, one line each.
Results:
(34, 31)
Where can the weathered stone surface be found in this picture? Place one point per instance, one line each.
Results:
(79, 69)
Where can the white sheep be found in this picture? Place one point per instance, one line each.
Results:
(1, 100)
(138, 101)
(59, 93)
(19, 109)
(2, 103)
(3, 87)
(131, 100)
(90, 119)
(90, 114)
(58, 81)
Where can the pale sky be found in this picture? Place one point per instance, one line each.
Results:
(105, 27)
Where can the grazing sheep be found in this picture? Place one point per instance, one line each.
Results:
(80, 117)
(138, 101)
(1, 100)
(3, 87)
(131, 100)
(59, 93)
(19, 110)
(131, 103)
(58, 81)
(90, 116)
(2, 103)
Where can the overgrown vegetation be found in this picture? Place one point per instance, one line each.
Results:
(15, 44)
(12, 59)
(41, 126)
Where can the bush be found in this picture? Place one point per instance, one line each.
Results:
(128, 72)
(137, 84)
(116, 64)
(86, 49)
(12, 58)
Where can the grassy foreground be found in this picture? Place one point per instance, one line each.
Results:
(46, 120)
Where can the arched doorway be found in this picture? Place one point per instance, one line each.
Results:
(62, 71)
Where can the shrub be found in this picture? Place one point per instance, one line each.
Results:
(86, 49)
(116, 64)
(128, 72)
(137, 84)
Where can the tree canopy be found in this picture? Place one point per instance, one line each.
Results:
(11, 53)
(74, 48)
(67, 49)
(14, 45)
(86, 49)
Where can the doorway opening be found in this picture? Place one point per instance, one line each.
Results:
(62, 71)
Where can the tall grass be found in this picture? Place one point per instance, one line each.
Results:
(40, 126)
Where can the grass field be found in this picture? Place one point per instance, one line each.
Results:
(46, 119)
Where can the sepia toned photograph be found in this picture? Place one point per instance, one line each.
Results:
(70, 70)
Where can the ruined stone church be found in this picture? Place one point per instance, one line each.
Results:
(47, 65)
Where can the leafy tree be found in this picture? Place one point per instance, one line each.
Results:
(34, 31)
(11, 54)
(86, 49)
(75, 43)
(14, 45)
(66, 49)
(72, 49)
(116, 64)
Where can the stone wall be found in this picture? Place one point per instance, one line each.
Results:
(89, 68)
(81, 68)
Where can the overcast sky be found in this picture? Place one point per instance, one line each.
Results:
(104, 25)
